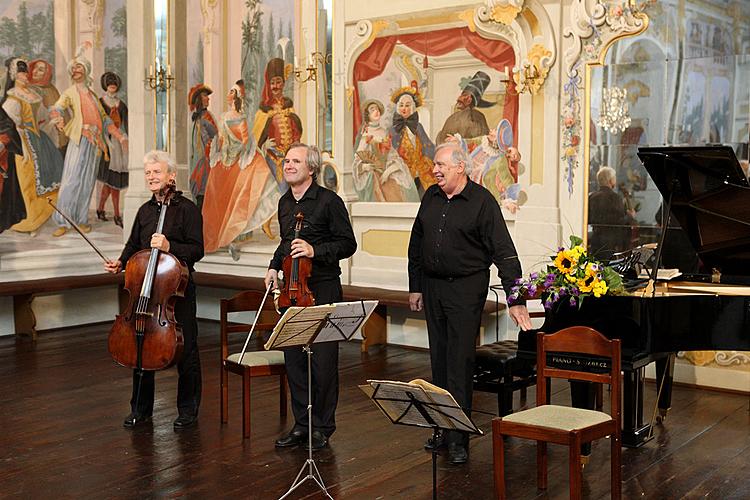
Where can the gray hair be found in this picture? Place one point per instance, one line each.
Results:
(158, 156)
(313, 158)
(458, 155)
(605, 175)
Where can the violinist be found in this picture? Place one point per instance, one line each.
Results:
(326, 236)
(182, 236)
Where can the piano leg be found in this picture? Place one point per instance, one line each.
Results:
(634, 431)
(664, 377)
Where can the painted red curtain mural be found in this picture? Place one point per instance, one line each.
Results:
(494, 53)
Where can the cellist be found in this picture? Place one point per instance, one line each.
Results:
(326, 237)
(182, 236)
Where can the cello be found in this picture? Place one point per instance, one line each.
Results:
(146, 335)
(294, 290)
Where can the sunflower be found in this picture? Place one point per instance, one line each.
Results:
(566, 261)
(586, 284)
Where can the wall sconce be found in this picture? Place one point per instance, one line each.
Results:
(159, 78)
(303, 75)
(528, 79)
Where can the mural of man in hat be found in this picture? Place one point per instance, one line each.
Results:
(467, 121)
(204, 131)
(277, 125)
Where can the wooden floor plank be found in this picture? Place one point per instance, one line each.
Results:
(61, 435)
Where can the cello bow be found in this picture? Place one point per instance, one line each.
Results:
(74, 226)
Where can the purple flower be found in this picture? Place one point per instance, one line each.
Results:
(573, 302)
(548, 304)
(532, 289)
(534, 276)
(519, 281)
(549, 280)
(563, 291)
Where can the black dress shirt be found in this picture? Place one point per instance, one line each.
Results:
(459, 237)
(183, 228)
(326, 227)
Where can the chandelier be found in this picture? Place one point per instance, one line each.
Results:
(614, 116)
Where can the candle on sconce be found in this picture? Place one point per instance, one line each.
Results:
(169, 70)
(310, 61)
(150, 70)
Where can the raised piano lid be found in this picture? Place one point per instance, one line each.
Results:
(711, 201)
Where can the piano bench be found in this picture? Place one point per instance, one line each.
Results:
(498, 369)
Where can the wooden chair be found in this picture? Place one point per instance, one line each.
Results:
(561, 424)
(254, 363)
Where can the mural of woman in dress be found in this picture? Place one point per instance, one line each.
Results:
(409, 138)
(40, 167)
(12, 208)
(204, 131)
(113, 172)
(379, 172)
(241, 193)
(40, 79)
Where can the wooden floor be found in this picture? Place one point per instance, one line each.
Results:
(62, 403)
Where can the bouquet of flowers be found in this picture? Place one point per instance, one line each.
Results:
(573, 274)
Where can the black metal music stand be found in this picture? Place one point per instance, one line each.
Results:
(420, 404)
(304, 326)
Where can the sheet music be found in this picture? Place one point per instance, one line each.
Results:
(346, 320)
(297, 325)
(395, 399)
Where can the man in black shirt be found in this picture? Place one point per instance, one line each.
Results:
(609, 219)
(326, 237)
(459, 232)
(182, 236)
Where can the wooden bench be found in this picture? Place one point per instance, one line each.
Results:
(374, 332)
(23, 293)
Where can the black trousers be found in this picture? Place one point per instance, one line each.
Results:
(453, 309)
(325, 372)
(188, 368)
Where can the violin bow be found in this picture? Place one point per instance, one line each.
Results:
(74, 226)
(255, 321)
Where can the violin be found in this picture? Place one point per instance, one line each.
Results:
(146, 336)
(297, 270)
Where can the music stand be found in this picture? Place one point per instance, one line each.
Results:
(420, 404)
(304, 326)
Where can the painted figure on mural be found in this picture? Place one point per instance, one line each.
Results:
(12, 208)
(276, 125)
(86, 146)
(40, 167)
(379, 173)
(40, 79)
(467, 121)
(204, 131)
(496, 165)
(113, 173)
(409, 138)
(241, 194)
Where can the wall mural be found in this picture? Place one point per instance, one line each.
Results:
(236, 156)
(401, 113)
(64, 141)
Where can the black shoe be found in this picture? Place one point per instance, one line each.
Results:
(118, 220)
(294, 438)
(435, 443)
(134, 419)
(184, 421)
(101, 215)
(457, 454)
(319, 441)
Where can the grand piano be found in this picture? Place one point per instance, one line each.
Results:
(706, 191)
